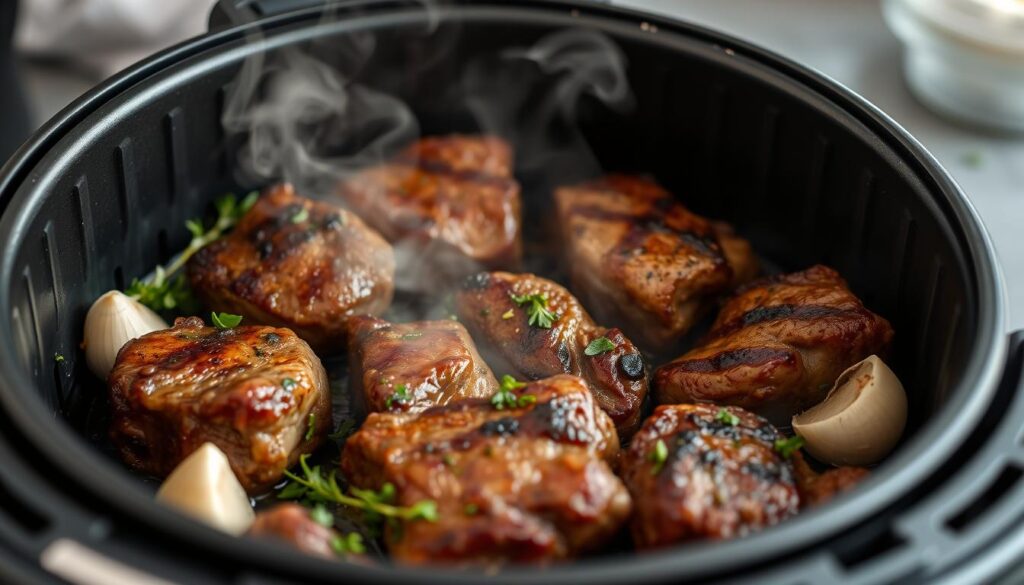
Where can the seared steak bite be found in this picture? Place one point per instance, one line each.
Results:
(257, 393)
(449, 203)
(409, 367)
(613, 369)
(699, 471)
(291, 523)
(527, 483)
(297, 263)
(639, 259)
(777, 346)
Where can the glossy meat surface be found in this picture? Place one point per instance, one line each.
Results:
(817, 488)
(409, 367)
(617, 377)
(292, 524)
(642, 261)
(527, 484)
(297, 263)
(449, 203)
(254, 392)
(717, 480)
(777, 346)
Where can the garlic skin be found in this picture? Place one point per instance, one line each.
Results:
(861, 419)
(113, 320)
(204, 487)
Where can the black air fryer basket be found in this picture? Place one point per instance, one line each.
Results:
(801, 166)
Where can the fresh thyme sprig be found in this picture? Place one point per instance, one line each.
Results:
(536, 309)
(506, 398)
(315, 487)
(167, 289)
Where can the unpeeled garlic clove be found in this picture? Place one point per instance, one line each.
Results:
(860, 420)
(112, 321)
(204, 487)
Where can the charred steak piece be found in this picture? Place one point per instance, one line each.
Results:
(410, 367)
(529, 483)
(257, 393)
(699, 471)
(297, 263)
(639, 259)
(817, 488)
(777, 346)
(517, 341)
(449, 203)
(291, 523)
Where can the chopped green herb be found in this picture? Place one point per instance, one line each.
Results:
(508, 314)
(349, 544)
(300, 215)
(165, 291)
(315, 487)
(786, 447)
(973, 158)
(288, 384)
(727, 417)
(506, 398)
(311, 426)
(658, 456)
(536, 309)
(401, 394)
(58, 357)
(412, 335)
(448, 459)
(471, 509)
(225, 320)
(599, 346)
(322, 516)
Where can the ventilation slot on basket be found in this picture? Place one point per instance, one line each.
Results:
(14, 508)
(995, 492)
(867, 547)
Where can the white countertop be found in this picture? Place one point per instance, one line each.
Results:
(848, 41)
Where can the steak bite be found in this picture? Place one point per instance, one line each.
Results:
(777, 346)
(292, 524)
(527, 483)
(699, 471)
(297, 263)
(613, 369)
(260, 394)
(639, 259)
(449, 203)
(409, 367)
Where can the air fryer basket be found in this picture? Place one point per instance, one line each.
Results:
(806, 170)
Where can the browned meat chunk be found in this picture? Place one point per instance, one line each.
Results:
(449, 203)
(699, 471)
(777, 346)
(529, 483)
(487, 305)
(291, 523)
(296, 263)
(257, 393)
(639, 259)
(412, 366)
(818, 488)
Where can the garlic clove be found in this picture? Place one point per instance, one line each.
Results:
(204, 487)
(113, 320)
(861, 419)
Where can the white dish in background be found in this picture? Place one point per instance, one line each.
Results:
(964, 58)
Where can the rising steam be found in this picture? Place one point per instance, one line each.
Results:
(305, 120)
